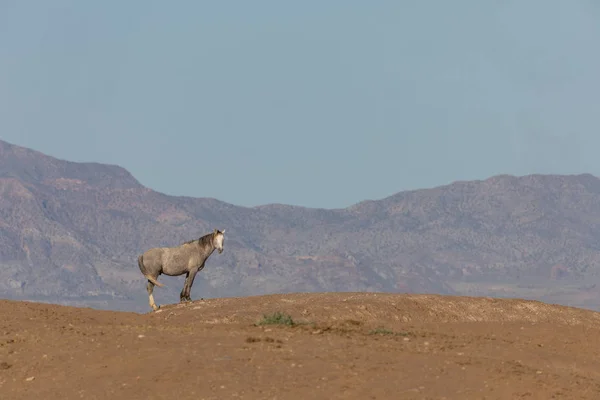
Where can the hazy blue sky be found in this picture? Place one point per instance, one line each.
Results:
(315, 103)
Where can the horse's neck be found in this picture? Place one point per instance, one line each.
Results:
(206, 250)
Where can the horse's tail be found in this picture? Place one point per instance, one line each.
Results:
(146, 274)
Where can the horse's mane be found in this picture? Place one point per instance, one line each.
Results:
(206, 239)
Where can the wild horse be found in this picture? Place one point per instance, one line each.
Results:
(188, 258)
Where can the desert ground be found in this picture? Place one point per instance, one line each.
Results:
(336, 346)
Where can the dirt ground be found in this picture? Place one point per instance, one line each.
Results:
(341, 346)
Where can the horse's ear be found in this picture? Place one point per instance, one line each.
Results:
(223, 231)
(215, 231)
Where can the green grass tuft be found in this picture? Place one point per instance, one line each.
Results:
(384, 331)
(381, 331)
(277, 318)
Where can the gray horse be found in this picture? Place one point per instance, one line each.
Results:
(188, 258)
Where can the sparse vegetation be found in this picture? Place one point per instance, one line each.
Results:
(381, 331)
(277, 318)
(384, 331)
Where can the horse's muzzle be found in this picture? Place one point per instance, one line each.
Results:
(220, 251)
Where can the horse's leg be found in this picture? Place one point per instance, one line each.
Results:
(182, 295)
(150, 288)
(191, 282)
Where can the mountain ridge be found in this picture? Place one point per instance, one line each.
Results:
(70, 233)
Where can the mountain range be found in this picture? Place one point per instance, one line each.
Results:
(70, 233)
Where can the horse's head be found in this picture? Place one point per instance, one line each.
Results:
(218, 238)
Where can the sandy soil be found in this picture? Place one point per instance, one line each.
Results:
(343, 346)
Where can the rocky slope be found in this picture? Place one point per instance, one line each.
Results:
(70, 233)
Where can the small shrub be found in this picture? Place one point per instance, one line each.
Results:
(381, 331)
(384, 331)
(277, 318)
